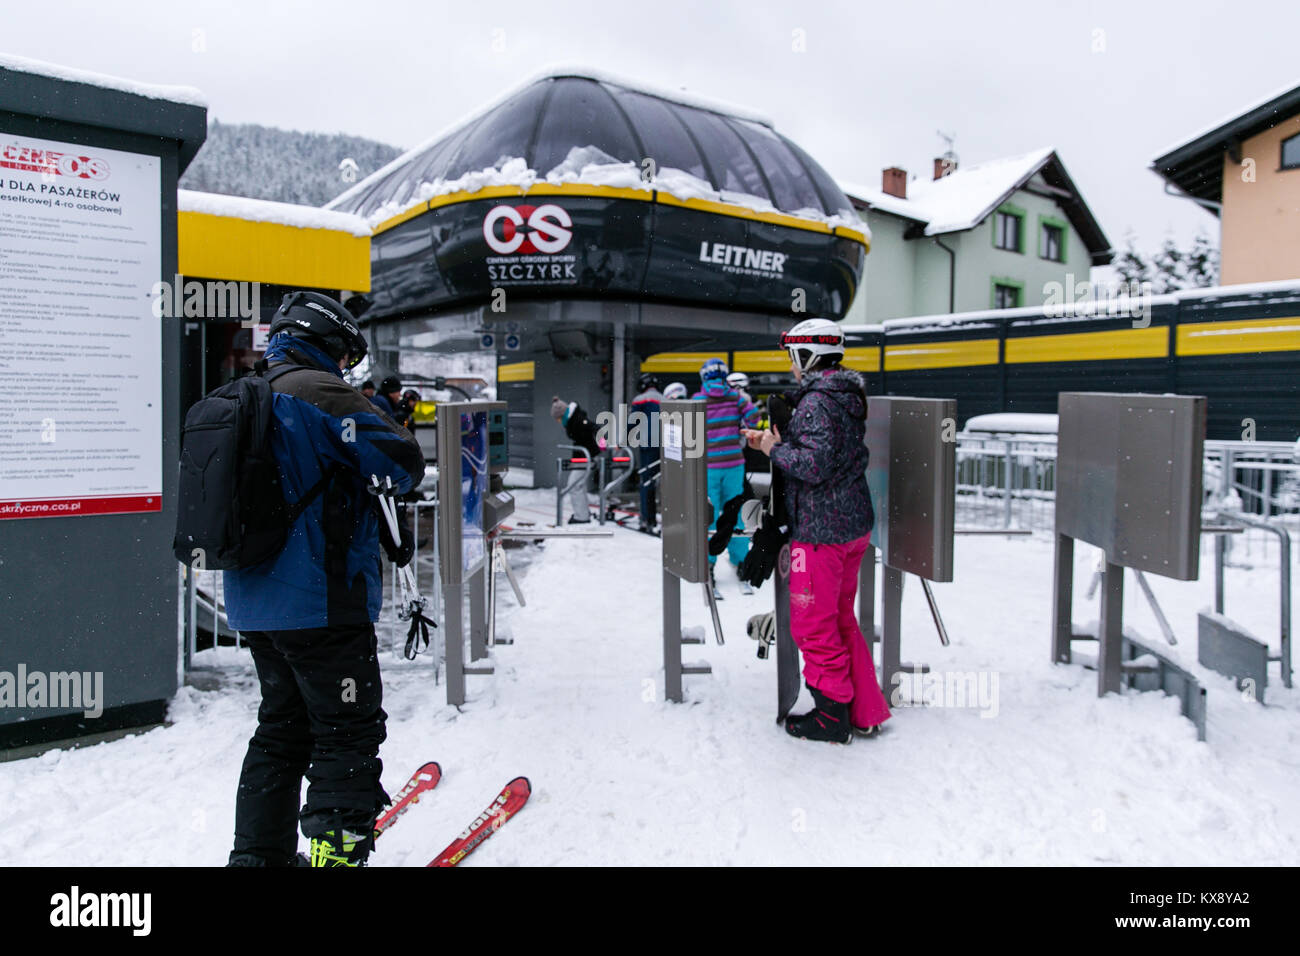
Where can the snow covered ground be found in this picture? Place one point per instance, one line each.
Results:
(1045, 773)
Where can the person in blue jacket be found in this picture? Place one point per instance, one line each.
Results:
(308, 614)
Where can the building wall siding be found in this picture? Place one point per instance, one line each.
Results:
(1260, 230)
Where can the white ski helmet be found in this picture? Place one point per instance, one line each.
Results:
(738, 380)
(675, 390)
(812, 340)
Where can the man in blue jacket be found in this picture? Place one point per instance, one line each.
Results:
(308, 614)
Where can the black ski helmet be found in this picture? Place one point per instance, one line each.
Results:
(647, 381)
(324, 322)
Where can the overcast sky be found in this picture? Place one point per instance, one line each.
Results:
(1109, 85)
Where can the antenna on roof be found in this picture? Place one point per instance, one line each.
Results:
(947, 163)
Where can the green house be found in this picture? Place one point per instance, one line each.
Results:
(1001, 234)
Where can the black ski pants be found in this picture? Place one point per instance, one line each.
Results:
(320, 717)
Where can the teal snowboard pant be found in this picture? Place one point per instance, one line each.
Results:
(725, 484)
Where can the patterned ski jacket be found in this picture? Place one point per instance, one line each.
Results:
(726, 414)
(824, 459)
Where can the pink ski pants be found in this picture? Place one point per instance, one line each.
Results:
(824, 624)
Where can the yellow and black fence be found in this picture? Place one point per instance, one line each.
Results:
(1239, 349)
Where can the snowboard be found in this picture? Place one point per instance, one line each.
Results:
(787, 654)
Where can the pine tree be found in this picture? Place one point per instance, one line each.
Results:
(1130, 266)
(1168, 263)
(1202, 262)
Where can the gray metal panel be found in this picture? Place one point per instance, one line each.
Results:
(912, 477)
(1129, 478)
(683, 491)
(1223, 646)
(1173, 680)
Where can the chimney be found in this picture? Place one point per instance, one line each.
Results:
(944, 165)
(893, 182)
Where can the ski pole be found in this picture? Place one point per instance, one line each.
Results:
(413, 602)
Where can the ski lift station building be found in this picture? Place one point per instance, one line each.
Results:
(580, 224)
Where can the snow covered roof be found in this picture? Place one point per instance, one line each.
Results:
(878, 199)
(1195, 164)
(187, 95)
(587, 126)
(1269, 105)
(967, 196)
(962, 199)
(261, 210)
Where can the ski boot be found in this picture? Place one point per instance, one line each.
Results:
(828, 720)
(256, 859)
(340, 848)
(868, 731)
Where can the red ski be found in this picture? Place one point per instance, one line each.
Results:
(421, 782)
(507, 803)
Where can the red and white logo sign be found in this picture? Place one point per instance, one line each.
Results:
(527, 229)
(50, 162)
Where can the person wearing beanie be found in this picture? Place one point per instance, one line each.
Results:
(389, 397)
(368, 389)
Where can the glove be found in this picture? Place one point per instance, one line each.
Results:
(764, 549)
(398, 552)
(726, 525)
(779, 410)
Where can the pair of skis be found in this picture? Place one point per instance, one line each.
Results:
(506, 804)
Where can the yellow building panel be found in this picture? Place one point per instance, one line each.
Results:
(857, 236)
(776, 360)
(464, 195)
(584, 189)
(737, 211)
(679, 361)
(517, 372)
(1239, 336)
(863, 359)
(922, 355)
(222, 247)
(1150, 342)
(401, 217)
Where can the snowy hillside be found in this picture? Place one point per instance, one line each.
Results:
(1042, 773)
(263, 162)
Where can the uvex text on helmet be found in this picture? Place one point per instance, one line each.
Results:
(814, 343)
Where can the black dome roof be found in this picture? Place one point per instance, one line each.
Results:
(544, 120)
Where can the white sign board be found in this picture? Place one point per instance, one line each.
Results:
(672, 435)
(80, 348)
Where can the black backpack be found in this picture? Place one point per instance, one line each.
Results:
(231, 511)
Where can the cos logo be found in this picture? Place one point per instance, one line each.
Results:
(527, 229)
